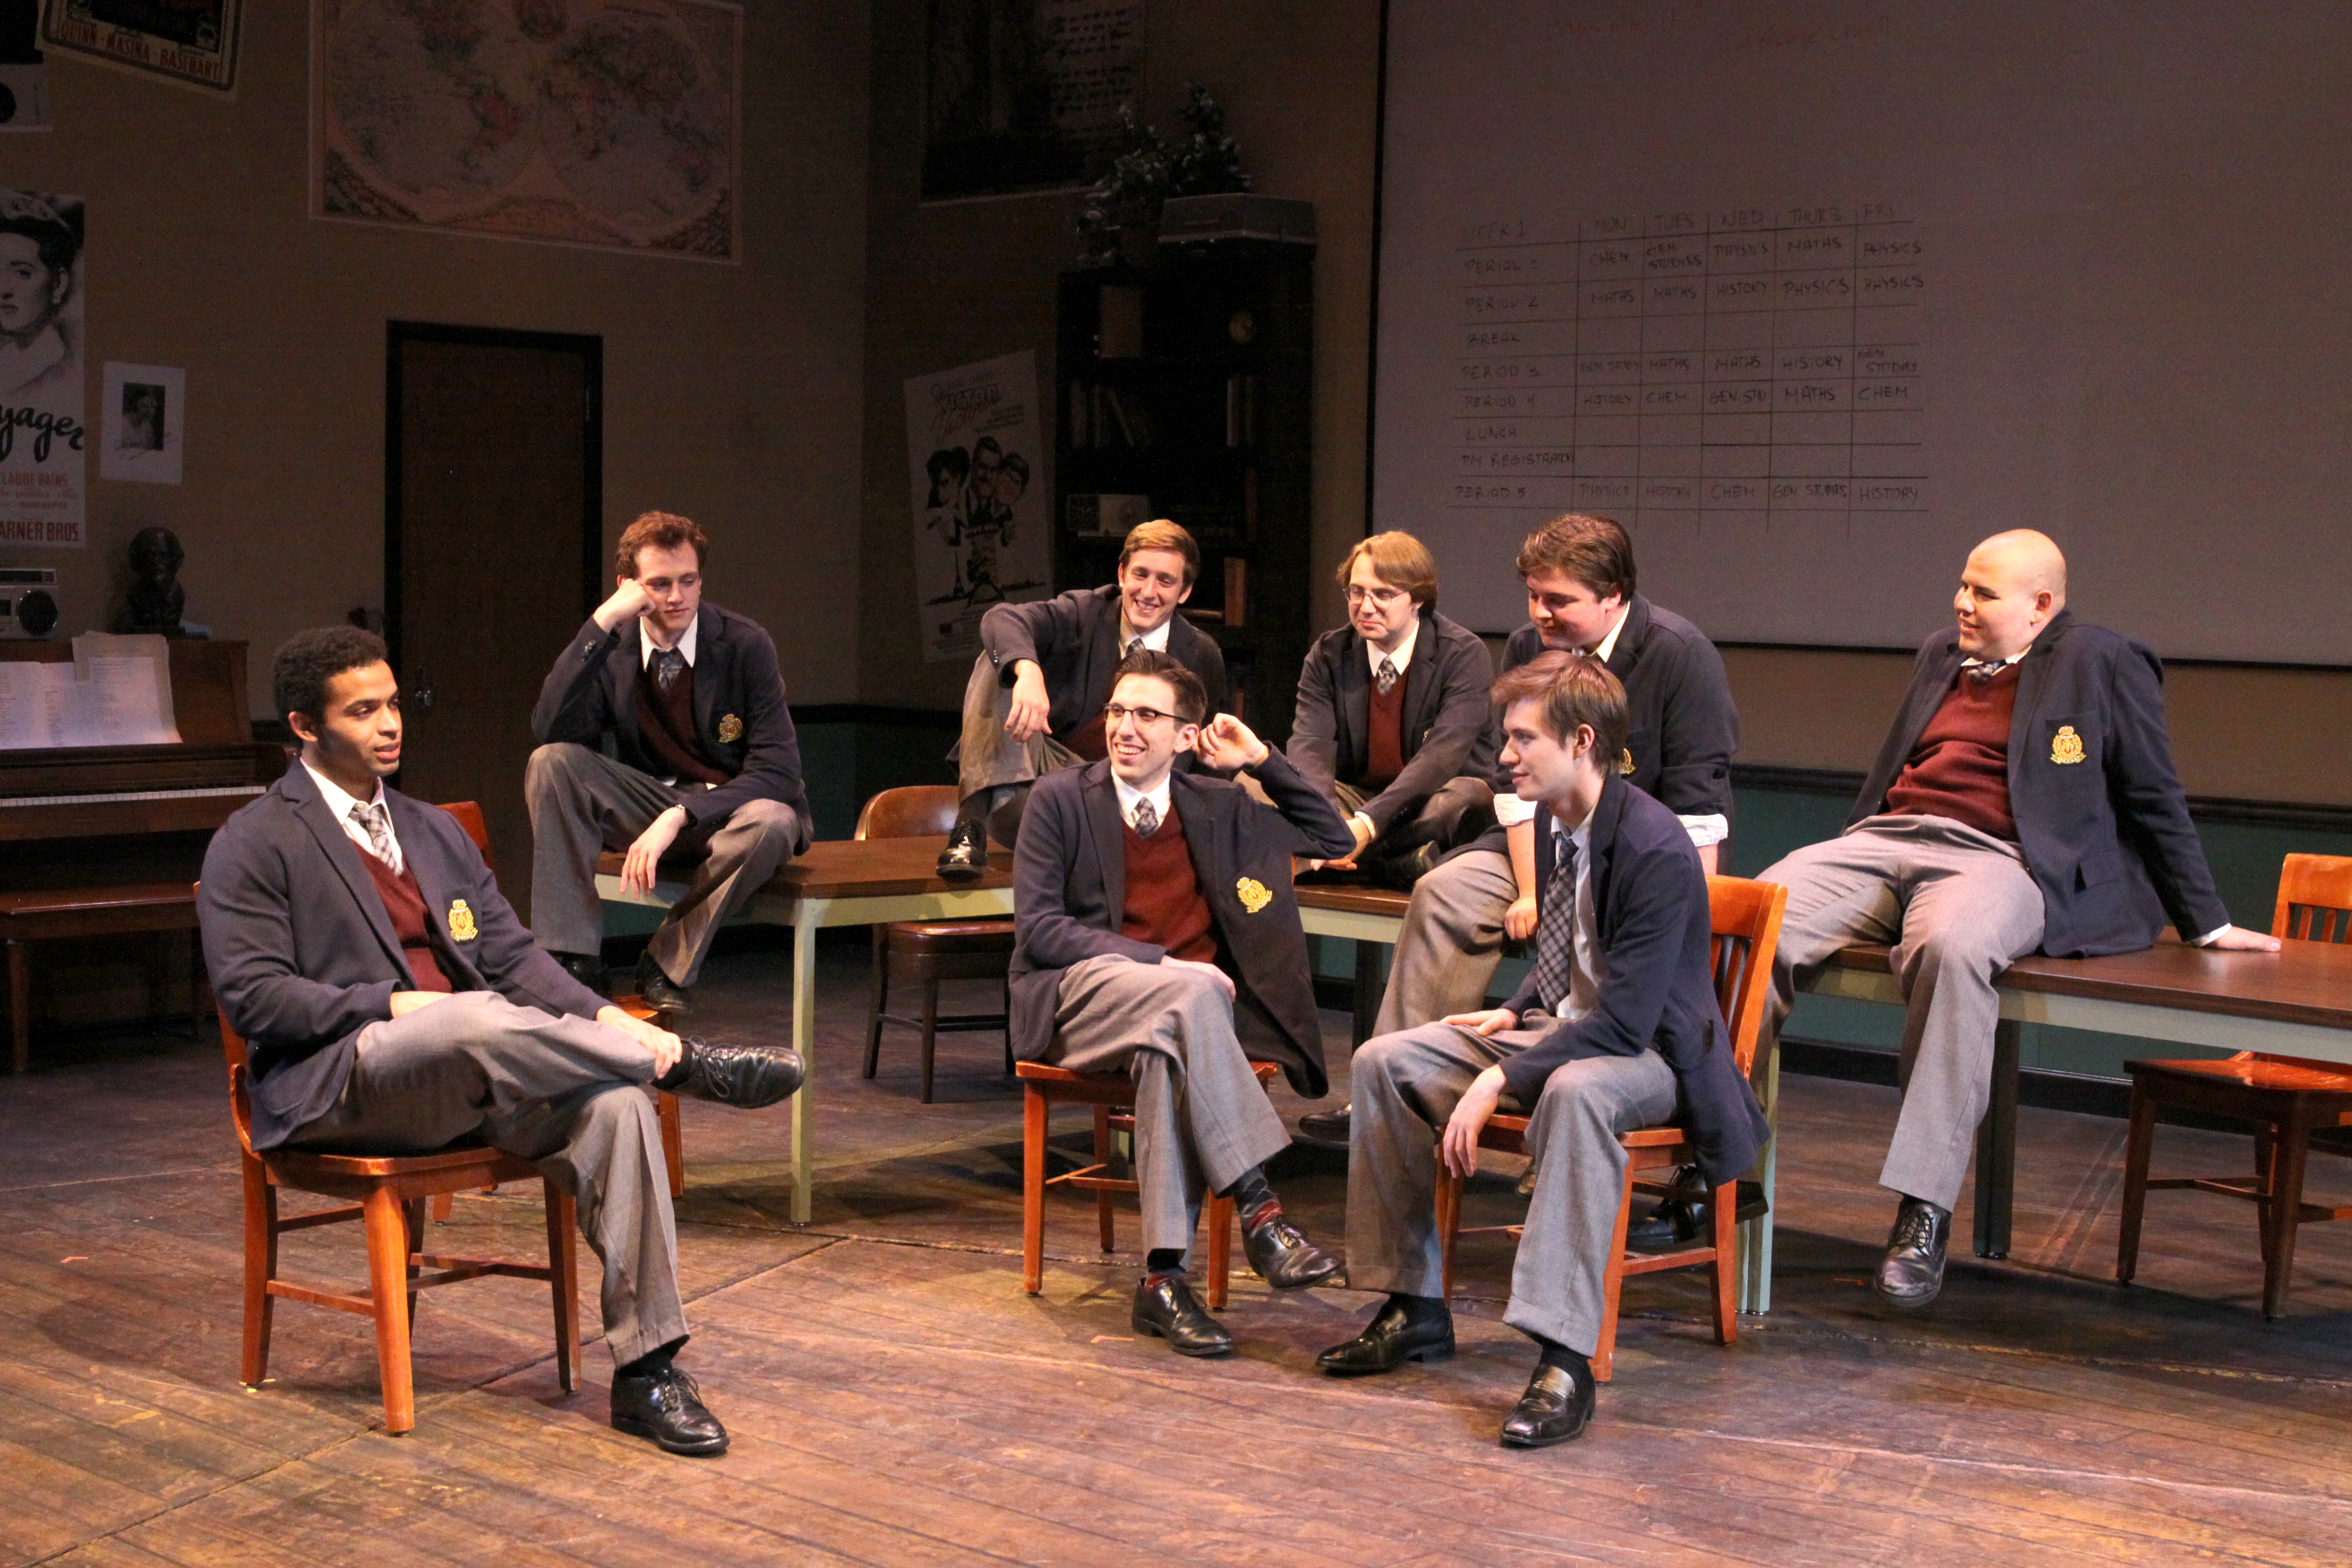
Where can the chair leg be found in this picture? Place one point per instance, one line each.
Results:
(1221, 1249)
(564, 1263)
(444, 1206)
(1102, 1198)
(20, 1009)
(261, 1268)
(1612, 1282)
(1722, 1269)
(1449, 1224)
(412, 1215)
(673, 1137)
(881, 997)
(1008, 1024)
(200, 989)
(2289, 1145)
(1033, 1112)
(2137, 1149)
(2265, 1182)
(387, 1245)
(930, 1029)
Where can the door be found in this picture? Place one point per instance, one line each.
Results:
(493, 534)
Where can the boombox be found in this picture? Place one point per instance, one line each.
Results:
(29, 600)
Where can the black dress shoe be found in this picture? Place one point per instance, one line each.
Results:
(1398, 873)
(586, 968)
(1557, 1407)
(966, 857)
(1911, 1275)
(745, 1077)
(1331, 1126)
(1680, 1220)
(659, 989)
(1284, 1257)
(667, 1407)
(1388, 1342)
(1166, 1309)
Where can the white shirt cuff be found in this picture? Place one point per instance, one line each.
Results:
(1713, 829)
(1369, 830)
(2208, 938)
(1510, 810)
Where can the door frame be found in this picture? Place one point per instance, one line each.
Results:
(591, 455)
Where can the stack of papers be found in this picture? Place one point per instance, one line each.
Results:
(116, 692)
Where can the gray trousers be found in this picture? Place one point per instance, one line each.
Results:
(1452, 942)
(988, 758)
(1201, 1118)
(1958, 907)
(1455, 814)
(561, 1091)
(1406, 1087)
(583, 803)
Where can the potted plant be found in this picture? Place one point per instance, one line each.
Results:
(1120, 218)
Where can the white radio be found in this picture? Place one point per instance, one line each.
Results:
(29, 600)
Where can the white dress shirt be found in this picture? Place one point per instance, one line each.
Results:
(340, 801)
(1129, 795)
(645, 644)
(1156, 640)
(1584, 982)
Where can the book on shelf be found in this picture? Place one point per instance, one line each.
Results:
(1236, 591)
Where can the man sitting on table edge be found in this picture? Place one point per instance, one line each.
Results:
(1615, 1027)
(2024, 800)
(707, 763)
(1392, 716)
(1155, 932)
(392, 1003)
(1035, 702)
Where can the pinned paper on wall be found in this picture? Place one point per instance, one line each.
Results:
(142, 412)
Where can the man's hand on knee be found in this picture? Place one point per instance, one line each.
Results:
(1224, 981)
(645, 855)
(404, 1002)
(1485, 1021)
(665, 1045)
(1459, 1147)
(1031, 709)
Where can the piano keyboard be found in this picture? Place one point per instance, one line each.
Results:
(104, 797)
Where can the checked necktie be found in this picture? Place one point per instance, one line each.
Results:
(1556, 932)
(668, 663)
(370, 816)
(1147, 819)
(1387, 676)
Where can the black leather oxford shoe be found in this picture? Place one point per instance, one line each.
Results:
(1557, 1407)
(1330, 1126)
(659, 989)
(667, 1408)
(1685, 1217)
(1284, 1257)
(966, 856)
(745, 1077)
(1398, 873)
(1911, 1275)
(1389, 1341)
(1165, 1308)
(585, 967)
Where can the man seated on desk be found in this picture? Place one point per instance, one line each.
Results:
(2024, 800)
(392, 1003)
(1616, 1027)
(1392, 712)
(1035, 702)
(1154, 934)
(707, 763)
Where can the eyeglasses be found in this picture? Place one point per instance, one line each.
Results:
(1383, 597)
(1144, 717)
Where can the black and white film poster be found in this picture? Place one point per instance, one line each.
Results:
(979, 501)
(43, 460)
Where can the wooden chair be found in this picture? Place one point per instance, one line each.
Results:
(927, 952)
(2286, 1097)
(1746, 917)
(1111, 1095)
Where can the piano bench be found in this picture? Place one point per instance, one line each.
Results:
(49, 914)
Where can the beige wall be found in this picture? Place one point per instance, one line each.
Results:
(731, 392)
(955, 282)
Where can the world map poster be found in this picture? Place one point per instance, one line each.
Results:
(602, 122)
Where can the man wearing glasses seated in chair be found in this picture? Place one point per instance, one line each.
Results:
(1616, 1027)
(1155, 934)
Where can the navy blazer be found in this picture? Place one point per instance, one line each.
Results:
(1074, 638)
(1069, 890)
(1657, 992)
(739, 713)
(1447, 693)
(2101, 817)
(302, 955)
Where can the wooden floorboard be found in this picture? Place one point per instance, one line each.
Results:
(894, 1399)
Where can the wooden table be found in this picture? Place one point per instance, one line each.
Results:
(841, 882)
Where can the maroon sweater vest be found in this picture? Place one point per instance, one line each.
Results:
(1093, 740)
(1960, 769)
(1164, 905)
(1384, 753)
(404, 900)
(666, 725)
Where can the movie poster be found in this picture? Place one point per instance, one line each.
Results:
(42, 457)
(190, 42)
(973, 452)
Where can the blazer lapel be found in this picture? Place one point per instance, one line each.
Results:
(622, 668)
(1628, 651)
(2033, 681)
(1102, 659)
(1420, 686)
(1351, 715)
(711, 659)
(434, 882)
(1109, 835)
(344, 857)
(1928, 696)
(1600, 845)
(1205, 812)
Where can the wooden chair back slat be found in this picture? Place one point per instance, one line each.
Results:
(1745, 919)
(910, 811)
(2315, 898)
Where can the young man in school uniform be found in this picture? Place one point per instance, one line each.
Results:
(2024, 800)
(1391, 714)
(1616, 1027)
(392, 1004)
(1035, 701)
(1155, 934)
(706, 760)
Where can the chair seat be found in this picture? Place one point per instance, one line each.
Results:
(1046, 1072)
(952, 937)
(2287, 1075)
(296, 1167)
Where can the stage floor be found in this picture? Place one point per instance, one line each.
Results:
(894, 1399)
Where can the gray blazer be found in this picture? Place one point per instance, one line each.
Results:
(302, 955)
(1446, 698)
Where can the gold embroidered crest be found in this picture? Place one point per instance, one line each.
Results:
(1625, 763)
(730, 729)
(1253, 893)
(461, 921)
(2067, 747)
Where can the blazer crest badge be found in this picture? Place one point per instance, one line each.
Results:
(730, 729)
(2067, 747)
(1253, 893)
(461, 921)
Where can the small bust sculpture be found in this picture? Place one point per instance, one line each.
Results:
(156, 597)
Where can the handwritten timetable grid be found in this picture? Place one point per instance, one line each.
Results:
(1693, 365)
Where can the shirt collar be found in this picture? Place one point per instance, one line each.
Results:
(340, 800)
(1608, 644)
(2012, 658)
(1129, 795)
(685, 643)
(1156, 640)
(1403, 655)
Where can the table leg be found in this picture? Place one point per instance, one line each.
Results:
(1755, 1234)
(1367, 990)
(1997, 1144)
(20, 1007)
(806, 919)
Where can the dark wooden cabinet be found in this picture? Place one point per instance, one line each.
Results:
(1186, 392)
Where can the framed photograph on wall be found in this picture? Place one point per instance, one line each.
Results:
(192, 43)
(1024, 95)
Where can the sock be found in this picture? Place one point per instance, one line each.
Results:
(1253, 1198)
(1420, 1309)
(653, 1362)
(678, 1075)
(1163, 1260)
(973, 810)
(1554, 1353)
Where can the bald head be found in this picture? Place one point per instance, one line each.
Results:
(2013, 585)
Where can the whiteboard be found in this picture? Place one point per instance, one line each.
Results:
(1813, 295)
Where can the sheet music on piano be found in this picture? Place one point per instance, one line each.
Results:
(116, 692)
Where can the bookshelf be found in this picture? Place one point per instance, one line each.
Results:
(1186, 392)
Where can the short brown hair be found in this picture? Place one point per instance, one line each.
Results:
(1399, 560)
(1191, 696)
(660, 531)
(1572, 689)
(1161, 534)
(1595, 551)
